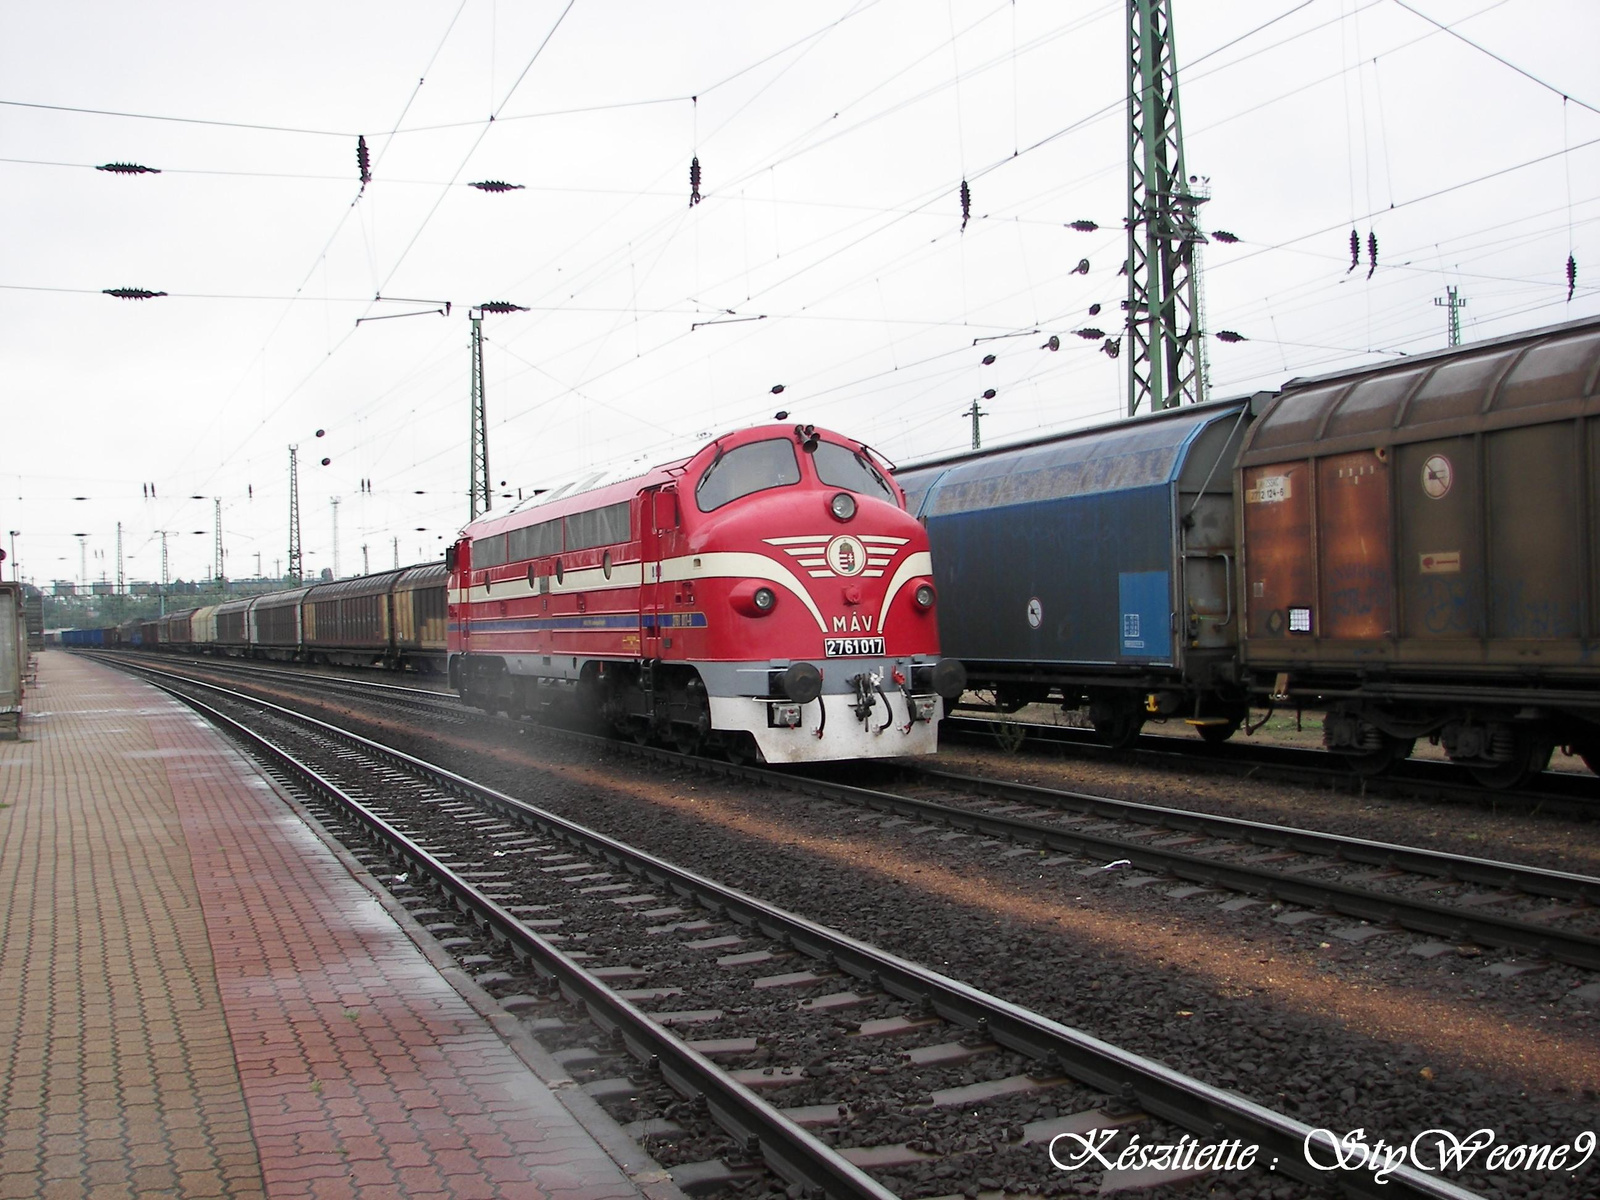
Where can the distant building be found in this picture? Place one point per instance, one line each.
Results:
(102, 587)
(65, 587)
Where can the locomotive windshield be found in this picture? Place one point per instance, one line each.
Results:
(745, 470)
(841, 467)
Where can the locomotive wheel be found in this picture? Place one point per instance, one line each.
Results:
(1376, 762)
(740, 749)
(686, 738)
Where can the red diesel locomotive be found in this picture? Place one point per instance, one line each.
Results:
(769, 597)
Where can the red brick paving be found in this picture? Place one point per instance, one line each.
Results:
(203, 1002)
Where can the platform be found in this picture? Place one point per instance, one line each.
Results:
(199, 997)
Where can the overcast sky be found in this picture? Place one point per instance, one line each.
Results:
(828, 254)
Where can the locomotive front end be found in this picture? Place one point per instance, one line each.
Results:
(807, 599)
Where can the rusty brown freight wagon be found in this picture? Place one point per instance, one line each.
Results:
(1421, 552)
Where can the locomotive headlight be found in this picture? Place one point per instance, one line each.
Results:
(842, 506)
(753, 599)
(923, 597)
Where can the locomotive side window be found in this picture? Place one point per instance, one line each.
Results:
(489, 551)
(535, 541)
(598, 527)
(745, 470)
(841, 467)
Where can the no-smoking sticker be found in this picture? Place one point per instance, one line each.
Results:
(1437, 475)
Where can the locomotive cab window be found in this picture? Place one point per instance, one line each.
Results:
(745, 470)
(841, 467)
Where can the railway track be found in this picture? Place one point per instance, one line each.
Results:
(1383, 886)
(1570, 793)
(828, 1053)
(416, 697)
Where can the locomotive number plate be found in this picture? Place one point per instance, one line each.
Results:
(843, 647)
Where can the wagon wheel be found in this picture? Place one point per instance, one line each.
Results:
(1376, 762)
(1215, 735)
(1121, 730)
(1530, 756)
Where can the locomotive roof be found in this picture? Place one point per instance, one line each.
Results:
(590, 491)
(595, 489)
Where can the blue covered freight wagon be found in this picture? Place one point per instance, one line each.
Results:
(1094, 568)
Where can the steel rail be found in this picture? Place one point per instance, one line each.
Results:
(791, 1152)
(248, 667)
(1414, 914)
(1159, 1090)
(1539, 881)
(1445, 778)
(1420, 916)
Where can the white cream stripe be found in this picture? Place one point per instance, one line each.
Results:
(920, 563)
(740, 565)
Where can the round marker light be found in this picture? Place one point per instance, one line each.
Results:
(923, 597)
(765, 599)
(842, 506)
